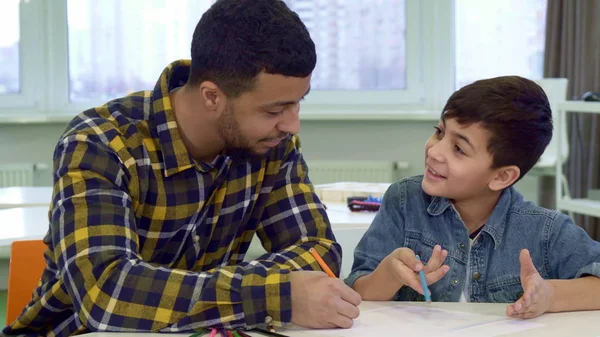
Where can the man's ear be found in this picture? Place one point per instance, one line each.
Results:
(504, 177)
(213, 97)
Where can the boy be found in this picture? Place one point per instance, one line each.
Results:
(496, 246)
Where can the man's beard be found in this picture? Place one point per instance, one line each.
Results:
(236, 145)
(229, 131)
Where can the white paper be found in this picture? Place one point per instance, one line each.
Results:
(407, 320)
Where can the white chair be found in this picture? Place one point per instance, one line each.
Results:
(556, 90)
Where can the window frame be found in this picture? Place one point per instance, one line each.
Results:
(429, 69)
(32, 70)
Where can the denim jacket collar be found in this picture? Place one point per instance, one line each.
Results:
(495, 224)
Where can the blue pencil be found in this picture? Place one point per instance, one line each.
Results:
(424, 284)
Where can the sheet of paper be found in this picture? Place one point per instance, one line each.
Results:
(407, 320)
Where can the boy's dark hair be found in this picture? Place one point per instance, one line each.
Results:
(515, 110)
(235, 40)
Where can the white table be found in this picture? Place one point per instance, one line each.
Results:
(31, 223)
(342, 218)
(25, 196)
(348, 228)
(23, 223)
(580, 324)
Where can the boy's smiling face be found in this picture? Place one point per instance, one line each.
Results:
(458, 165)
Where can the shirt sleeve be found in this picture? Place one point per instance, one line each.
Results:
(571, 252)
(96, 247)
(294, 220)
(383, 234)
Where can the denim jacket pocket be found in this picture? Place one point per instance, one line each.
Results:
(505, 290)
(421, 245)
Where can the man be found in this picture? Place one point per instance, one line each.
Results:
(158, 194)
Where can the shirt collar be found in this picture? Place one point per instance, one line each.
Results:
(175, 155)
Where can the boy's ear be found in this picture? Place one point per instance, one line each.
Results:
(505, 177)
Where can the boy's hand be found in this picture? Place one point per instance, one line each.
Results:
(402, 265)
(537, 292)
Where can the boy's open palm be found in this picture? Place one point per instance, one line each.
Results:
(537, 292)
(403, 265)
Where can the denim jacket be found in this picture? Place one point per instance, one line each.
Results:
(408, 217)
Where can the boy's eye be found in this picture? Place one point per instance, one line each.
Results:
(438, 130)
(458, 149)
(275, 113)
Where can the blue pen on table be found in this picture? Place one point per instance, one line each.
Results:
(424, 284)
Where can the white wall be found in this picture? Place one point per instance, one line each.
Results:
(331, 140)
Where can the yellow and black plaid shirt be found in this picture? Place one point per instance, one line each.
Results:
(144, 238)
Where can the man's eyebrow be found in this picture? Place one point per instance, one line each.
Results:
(283, 103)
(307, 92)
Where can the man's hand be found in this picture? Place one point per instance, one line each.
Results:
(537, 292)
(320, 301)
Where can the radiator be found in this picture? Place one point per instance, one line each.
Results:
(331, 171)
(19, 174)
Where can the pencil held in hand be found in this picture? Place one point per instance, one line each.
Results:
(424, 284)
(321, 263)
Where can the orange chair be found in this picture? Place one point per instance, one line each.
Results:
(26, 266)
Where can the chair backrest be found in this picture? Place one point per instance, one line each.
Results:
(556, 90)
(26, 267)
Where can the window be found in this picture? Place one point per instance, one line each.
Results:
(384, 58)
(353, 56)
(111, 55)
(495, 38)
(9, 47)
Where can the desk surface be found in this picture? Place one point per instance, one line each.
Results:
(23, 223)
(342, 218)
(579, 324)
(25, 196)
(13, 197)
(31, 223)
(348, 228)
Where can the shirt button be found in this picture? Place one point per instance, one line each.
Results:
(462, 245)
(196, 238)
(455, 282)
(476, 276)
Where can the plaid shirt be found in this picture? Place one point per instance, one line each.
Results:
(144, 238)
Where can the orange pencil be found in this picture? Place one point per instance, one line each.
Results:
(322, 263)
